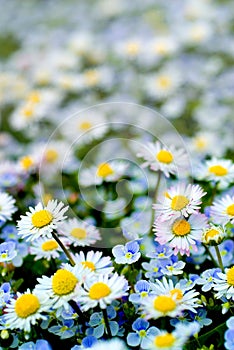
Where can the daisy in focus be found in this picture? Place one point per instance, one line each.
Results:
(27, 309)
(181, 235)
(220, 171)
(64, 285)
(169, 160)
(156, 306)
(109, 171)
(41, 220)
(102, 290)
(213, 235)
(180, 200)
(94, 261)
(224, 284)
(222, 211)
(44, 248)
(78, 232)
(7, 206)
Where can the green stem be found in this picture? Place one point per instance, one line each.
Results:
(210, 255)
(105, 317)
(219, 258)
(78, 311)
(72, 262)
(155, 197)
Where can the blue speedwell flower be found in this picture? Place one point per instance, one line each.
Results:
(142, 289)
(229, 334)
(142, 332)
(87, 343)
(126, 254)
(98, 325)
(65, 330)
(41, 344)
(5, 295)
(7, 251)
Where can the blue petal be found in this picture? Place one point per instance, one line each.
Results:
(140, 324)
(114, 327)
(132, 247)
(95, 319)
(98, 331)
(142, 286)
(89, 341)
(133, 339)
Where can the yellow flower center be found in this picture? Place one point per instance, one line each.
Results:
(49, 245)
(177, 293)
(128, 255)
(104, 170)
(200, 143)
(164, 82)
(133, 48)
(99, 290)
(161, 48)
(26, 305)
(218, 170)
(230, 276)
(181, 227)
(179, 202)
(142, 333)
(89, 264)
(164, 304)
(4, 255)
(51, 155)
(164, 340)
(26, 162)
(144, 294)
(91, 77)
(27, 112)
(78, 233)
(41, 218)
(211, 233)
(164, 156)
(64, 282)
(34, 97)
(230, 210)
(85, 125)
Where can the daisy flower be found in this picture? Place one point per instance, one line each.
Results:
(180, 200)
(185, 297)
(26, 310)
(224, 284)
(222, 211)
(182, 235)
(94, 261)
(41, 220)
(102, 290)
(79, 233)
(109, 171)
(7, 207)
(169, 160)
(64, 285)
(44, 248)
(220, 171)
(213, 235)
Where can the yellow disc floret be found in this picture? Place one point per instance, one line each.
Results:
(218, 170)
(179, 202)
(104, 170)
(164, 304)
(164, 82)
(181, 227)
(99, 290)
(230, 276)
(164, 341)
(230, 210)
(89, 264)
(85, 126)
(78, 233)
(51, 155)
(27, 305)
(49, 245)
(211, 234)
(41, 218)
(164, 156)
(63, 282)
(177, 293)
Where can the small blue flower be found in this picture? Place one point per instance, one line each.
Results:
(153, 269)
(140, 326)
(200, 317)
(7, 251)
(207, 277)
(41, 344)
(64, 330)
(9, 232)
(142, 289)
(5, 295)
(126, 254)
(87, 343)
(98, 325)
(229, 334)
(226, 249)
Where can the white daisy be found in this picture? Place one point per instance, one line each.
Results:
(180, 200)
(44, 248)
(185, 297)
(109, 171)
(156, 306)
(224, 284)
(220, 171)
(213, 235)
(182, 235)
(102, 290)
(222, 211)
(79, 233)
(26, 310)
(41, 220)
(94, 261)
(167, 159)
(7, 207)
(64, 285)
